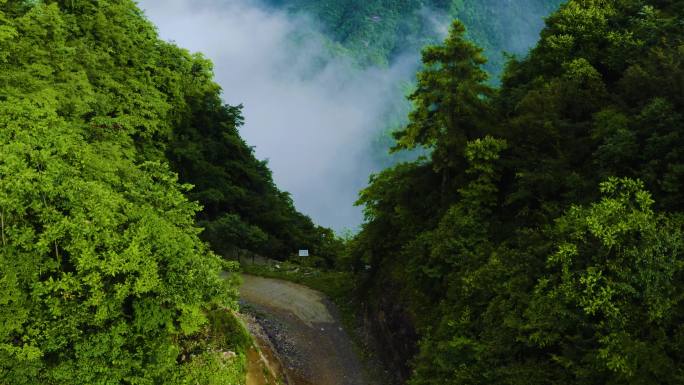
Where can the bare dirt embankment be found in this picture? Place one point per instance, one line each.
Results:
(264, 366)
(302, 328)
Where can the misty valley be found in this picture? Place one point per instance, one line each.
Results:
(341, 192)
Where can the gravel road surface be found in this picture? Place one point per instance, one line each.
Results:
(303, 327)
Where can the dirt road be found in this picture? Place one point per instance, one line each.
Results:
(303, 328)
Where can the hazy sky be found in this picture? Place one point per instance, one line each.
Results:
(314, 128)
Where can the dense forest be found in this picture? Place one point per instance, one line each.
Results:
(541, 241)
(379, 31)
(390, 34)
(243, 210)
(104, 277)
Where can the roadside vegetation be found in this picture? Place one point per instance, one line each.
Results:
(540, 240)
(104, 274)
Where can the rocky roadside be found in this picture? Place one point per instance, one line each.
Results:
(263, 364)
(300, 326)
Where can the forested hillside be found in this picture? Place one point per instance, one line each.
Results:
(541, 241)
(103, 276)
(389, 34)
(538, 240)
(379, 31)
(243, 210)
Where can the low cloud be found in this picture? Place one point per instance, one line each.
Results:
(312, 114)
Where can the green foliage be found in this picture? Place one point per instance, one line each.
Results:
(242, 206)
(509, 262)
(613, 294)
(449, 101)
(214, 368)
(215, 356)
(228, 231)
(103, 278)
(387, 32)
(379, 31)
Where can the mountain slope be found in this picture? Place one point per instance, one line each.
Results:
(243, 209)
(103, 275)
(546, 246)
(378, 31)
